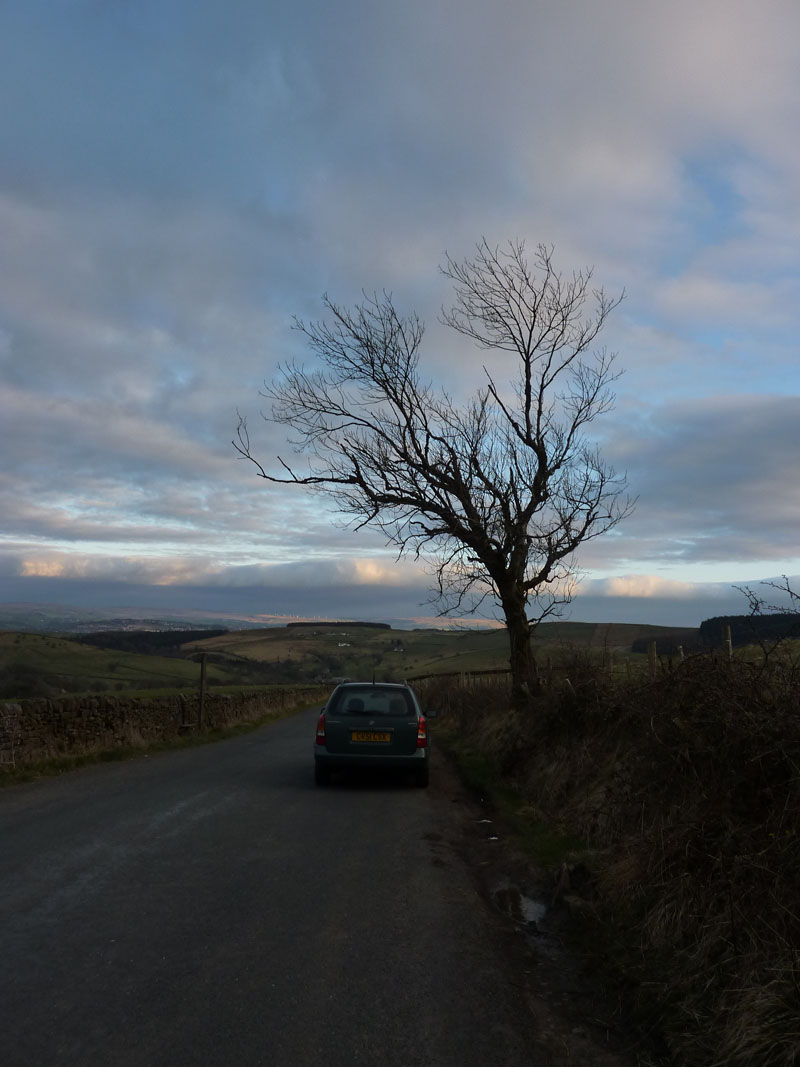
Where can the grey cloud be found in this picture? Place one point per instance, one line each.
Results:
(662, 611)
(345, 601)
(716, 478)
(331, 602)
(179, 181)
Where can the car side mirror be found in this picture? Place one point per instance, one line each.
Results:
(431, 713)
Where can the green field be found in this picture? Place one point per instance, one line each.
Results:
(49, 665)
(46, 665)
(358, 651)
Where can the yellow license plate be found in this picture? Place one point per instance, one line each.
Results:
(369, 735)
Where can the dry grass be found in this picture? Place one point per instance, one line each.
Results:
(689, 786)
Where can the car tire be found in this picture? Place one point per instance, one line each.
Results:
(322, 775)
(422, 778)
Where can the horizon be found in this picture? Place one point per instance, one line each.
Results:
(593, 610)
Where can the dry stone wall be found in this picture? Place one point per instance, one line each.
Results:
(40, 729)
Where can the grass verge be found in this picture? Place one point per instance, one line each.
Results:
(685, 786)
(545, 844)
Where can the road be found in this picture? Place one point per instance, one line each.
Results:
(210, 906)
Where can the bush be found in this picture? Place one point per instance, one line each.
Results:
(687, 788)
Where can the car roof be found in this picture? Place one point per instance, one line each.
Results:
(375, 685)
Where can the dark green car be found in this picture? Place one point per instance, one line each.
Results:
(372, 725)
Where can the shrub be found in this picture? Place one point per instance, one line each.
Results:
(687, 788)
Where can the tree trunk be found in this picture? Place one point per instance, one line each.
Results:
(524, 681)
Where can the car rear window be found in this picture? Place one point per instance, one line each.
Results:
(372, 700)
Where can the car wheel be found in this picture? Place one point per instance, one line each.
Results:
(322, 775)
(422, 778)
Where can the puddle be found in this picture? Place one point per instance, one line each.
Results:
(509, 899)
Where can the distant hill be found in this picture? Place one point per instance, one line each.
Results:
(346, 649)
(64, 619)
(318, 624)
(627, 636)
(43, 664)
(147, 642)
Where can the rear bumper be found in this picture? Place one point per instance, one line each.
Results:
(344, 760)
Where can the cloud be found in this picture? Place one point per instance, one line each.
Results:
(642, 585)
(179, 185)
(323, 573)
(716, 479)
(196, 570)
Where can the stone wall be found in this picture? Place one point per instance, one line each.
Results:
(40, 729)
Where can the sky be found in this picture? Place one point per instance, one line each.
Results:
(179, 178)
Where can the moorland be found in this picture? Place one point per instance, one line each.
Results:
(50, 664)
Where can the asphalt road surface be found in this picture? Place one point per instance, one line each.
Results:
(211, 906)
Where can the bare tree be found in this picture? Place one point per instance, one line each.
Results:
(499, 492)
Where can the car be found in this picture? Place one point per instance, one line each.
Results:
(372, 725)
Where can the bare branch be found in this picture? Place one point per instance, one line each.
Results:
(498, 494)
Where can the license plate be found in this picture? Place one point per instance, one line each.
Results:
(369, 735)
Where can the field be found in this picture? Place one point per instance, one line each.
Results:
(48, 665)
(360, 651)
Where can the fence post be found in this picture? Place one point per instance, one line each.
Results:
(726, 634)
(201, 710)
(651, 658)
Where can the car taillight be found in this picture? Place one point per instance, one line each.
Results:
(422, 733)
(321, 730)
